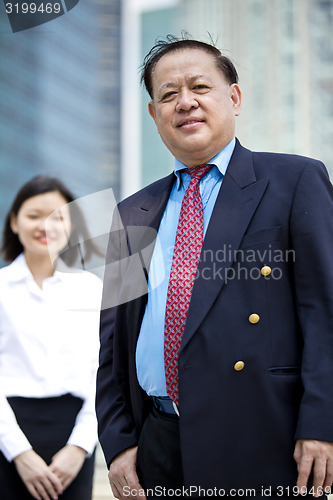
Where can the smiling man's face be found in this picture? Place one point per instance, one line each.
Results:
(193, 106)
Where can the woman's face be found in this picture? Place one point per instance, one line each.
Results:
(43, 224)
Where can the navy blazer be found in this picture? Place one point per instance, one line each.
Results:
(237, 426)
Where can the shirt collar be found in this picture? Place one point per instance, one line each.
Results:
(221, 161)
(19, 269)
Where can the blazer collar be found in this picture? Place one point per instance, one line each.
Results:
(149, 209)
(145, 217)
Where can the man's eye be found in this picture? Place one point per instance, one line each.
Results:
(168, 95)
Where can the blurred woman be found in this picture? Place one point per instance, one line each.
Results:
(49, 316)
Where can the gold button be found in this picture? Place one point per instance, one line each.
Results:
(254, 318)
(266, 271)
(239, 366)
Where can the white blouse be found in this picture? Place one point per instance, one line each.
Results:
(48, 346)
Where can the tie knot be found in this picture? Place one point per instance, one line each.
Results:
(198, 172)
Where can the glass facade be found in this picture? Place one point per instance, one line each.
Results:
(60, 100)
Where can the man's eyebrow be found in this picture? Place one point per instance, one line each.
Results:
(169, 85)
(197, 77)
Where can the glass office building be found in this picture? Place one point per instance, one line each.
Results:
(60, 100)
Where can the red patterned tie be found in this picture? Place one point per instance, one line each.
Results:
(185, 261)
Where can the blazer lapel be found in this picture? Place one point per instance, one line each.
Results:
(145, 218)
(236, 203)
(141, 226)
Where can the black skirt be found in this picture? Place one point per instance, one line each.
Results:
(47, 423)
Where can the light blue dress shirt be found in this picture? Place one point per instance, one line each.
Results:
(150, 345)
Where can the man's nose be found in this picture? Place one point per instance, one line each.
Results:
(186, 101)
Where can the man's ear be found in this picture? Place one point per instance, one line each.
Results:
(236, 96)
(152, 110)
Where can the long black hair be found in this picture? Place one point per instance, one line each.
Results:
(41, 184)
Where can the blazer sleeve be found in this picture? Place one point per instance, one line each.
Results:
(116, 427)
(312, 236)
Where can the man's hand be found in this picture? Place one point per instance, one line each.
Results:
(123, 477)
(317, 456)
(67, 463)
(40, 481)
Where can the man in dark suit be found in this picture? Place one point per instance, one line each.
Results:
(234, 395)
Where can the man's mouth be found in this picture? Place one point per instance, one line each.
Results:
(189, 122)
